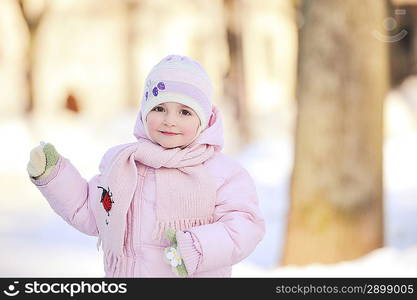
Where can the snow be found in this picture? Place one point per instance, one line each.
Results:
(35, 242)
(398, 257)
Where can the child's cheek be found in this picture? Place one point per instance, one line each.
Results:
(153, 124)
(190, 131)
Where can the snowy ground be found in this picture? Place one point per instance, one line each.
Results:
(36, 242)
(399, 256)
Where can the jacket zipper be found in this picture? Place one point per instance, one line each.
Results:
(133, 220)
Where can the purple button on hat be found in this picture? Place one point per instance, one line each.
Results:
(155, 91)
(161, 85)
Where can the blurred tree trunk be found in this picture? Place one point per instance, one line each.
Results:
(32, 21)
(336, 210)
(234, 82)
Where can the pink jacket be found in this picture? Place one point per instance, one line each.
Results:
(208, 250)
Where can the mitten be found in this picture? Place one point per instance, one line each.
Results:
(43, 159)
(172, 254)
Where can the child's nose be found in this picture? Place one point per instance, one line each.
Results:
(170, 118)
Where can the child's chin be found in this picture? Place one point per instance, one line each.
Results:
(171, 145)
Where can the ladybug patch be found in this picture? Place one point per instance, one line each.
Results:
(106, 200)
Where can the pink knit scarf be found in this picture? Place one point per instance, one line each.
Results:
(185, 191)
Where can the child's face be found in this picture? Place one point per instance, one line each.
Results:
(175, 118)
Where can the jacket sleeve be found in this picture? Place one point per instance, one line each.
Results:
(69, 195)
(238, 227)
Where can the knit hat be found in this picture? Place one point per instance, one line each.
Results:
(178, 79)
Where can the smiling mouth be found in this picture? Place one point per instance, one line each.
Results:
(168, 133)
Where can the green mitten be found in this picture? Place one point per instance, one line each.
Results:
(173, 256)
(43, 159)
(52, 156)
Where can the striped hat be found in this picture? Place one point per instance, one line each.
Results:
(178, 79)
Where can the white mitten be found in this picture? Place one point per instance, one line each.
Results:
(43, 159)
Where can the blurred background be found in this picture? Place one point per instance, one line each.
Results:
(318, 97)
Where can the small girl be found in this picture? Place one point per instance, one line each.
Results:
(170, 204)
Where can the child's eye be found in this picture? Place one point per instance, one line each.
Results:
(185, 112)
(158, 108)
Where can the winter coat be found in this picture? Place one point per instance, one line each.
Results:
(237, 228)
